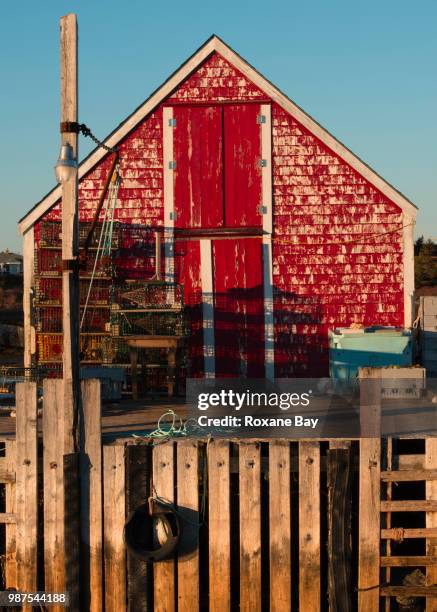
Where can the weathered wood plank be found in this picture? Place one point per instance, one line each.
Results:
(280, 526)
(113, 526)
(403, 534)
(408, 475)
(8, 518)
(163, 486)
(219, 526)
(72, 531)
(53, 469)
(407, 561)
(431, 520)
(369, 524)
(410, 462)
(188, 505)
(410, 591)
(11, 506)
(26, 486)
(138, 490)
(339, 528)
(419, 505)
(250, 526)
(369, 490)
(7, 469)
(91, 495)
(309, 526)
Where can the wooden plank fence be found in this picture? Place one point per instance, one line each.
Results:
(267, 523)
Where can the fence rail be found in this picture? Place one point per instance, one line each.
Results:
(267, 524)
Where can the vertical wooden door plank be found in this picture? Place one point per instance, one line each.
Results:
(369, 524)
(309, 526)
(340, 590)
(53, 469)
(91, 498)
(280, 525)
(113, 526)
(72, 531)
(250, 526)
(219, 526)
(163, 486)
(27, 486)
(431, 519)
(188, 504)
(138, 483)
(10, 528)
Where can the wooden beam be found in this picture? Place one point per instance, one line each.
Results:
(419, 505)
(163, 486)
(369, 524)
(138, 490)
(114, 515)
(53, 469)
(188, 505)
(91, 496)
(11, 506)
(72, 531)
(280, 526)
(167, 143)
(408, 475)
(28, 284)
(431, 519)
(206, 275)
(407, 561)
(27, 486)
(339, 528)
(406, 534)
(309, 526)
(219, 513)
(410, 591)
(70, 238)
(250, 527)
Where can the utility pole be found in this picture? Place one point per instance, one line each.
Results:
(70, 236)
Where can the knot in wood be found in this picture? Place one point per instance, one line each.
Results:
(220, 463)
(27, 462)
(309, 460)
(250, 463)
(188, 465)
(53, 465)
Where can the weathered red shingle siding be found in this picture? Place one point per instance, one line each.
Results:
(329, 268)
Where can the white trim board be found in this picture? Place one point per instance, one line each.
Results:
(215, 44)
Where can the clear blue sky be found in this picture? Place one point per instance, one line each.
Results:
(365, 71)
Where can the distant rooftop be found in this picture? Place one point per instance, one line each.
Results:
(9, 257)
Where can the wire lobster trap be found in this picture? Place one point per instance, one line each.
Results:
(150, 295)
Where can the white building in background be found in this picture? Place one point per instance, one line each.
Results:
(10, 263)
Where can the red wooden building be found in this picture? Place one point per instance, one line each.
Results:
(276, 230)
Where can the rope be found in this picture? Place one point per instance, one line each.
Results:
(177, 428)
(105, 238)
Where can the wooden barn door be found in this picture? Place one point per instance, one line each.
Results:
(216, 209)
(238, 308)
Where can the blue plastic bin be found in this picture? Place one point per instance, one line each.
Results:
(350, 349)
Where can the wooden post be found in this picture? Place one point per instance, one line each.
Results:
(91, 497)
(114, 520)
(53, 469)
(11, 507)
(188, 504)
(369, 534)
(219, 532)
(280, 525)
(27, 487)
(70, 238)
(309, 526)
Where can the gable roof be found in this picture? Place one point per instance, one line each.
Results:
(8, 257)
(215, 44)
